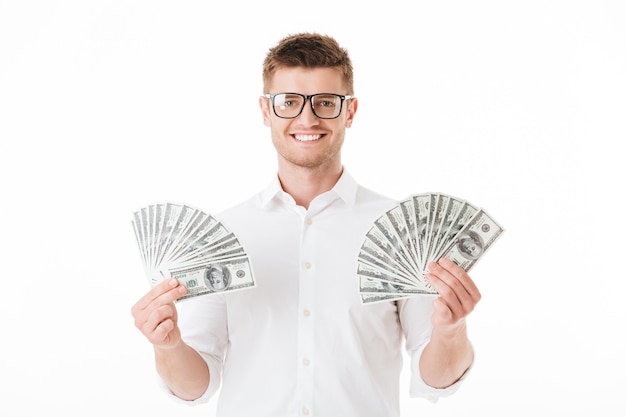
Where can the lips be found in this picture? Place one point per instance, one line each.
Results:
(307, 138)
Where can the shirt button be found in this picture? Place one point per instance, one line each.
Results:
(309, 221)
(305, 411)
(307, 265)
(306, 313)
(306, 362)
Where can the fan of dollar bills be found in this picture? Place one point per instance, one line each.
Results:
(394, 256)
(179, 241)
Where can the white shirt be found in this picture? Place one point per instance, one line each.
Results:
(301, 343)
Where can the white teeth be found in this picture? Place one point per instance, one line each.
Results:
(306, 138)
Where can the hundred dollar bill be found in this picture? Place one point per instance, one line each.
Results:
(408, 211)
(449, 213)
(422, 228)
(170, 215)
(386, 226)
(218, 277)
(158, 211)
(136, 222)
(367, 270)
(396, 218)
(436, 215)
(422, 204)
(227, 245)
(153, 215)
(145, 227)
(473, 240)
(205, 237)
(373, 255)
(183, 218)
(195, 229)
(179, 240)
(372, 285)
(463, 215)
(369, 298)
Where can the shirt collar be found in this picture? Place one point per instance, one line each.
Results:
(345, 189)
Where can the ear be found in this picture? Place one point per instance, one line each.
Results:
(353, 104)
(264, 103)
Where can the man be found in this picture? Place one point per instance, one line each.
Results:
(302, 342)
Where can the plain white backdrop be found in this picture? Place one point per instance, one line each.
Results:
(106, 106)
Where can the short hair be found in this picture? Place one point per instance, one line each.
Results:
(308, 50)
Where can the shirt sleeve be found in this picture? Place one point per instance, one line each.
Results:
(415, 314)
(202, 322)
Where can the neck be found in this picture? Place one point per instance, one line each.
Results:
(304, 184)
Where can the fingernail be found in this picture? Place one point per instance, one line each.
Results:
(173, 282)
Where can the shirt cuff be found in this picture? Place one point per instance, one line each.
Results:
(419, 388)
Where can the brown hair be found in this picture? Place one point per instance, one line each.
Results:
(309, 50)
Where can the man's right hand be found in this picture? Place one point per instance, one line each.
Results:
(156, 316)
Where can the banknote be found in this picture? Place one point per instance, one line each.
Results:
(180, 241)
(473, 240)
(378, 273)
(216, 277)
(368, 285)
(422, 228)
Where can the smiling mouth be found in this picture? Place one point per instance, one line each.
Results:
(307, 138)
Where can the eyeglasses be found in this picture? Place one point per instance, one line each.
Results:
(290, 105)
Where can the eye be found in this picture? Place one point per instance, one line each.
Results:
(325, 101)
(290, 101)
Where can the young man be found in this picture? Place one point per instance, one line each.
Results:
(302, 342)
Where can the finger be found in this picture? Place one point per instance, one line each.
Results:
(457, 279)
(157, 291)
(160, 324)
(462, 276)
(164, 293)
(162, 332)
(451, 289)
(447, 295)
(156, 317)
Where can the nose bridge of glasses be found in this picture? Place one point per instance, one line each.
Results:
(311, 99)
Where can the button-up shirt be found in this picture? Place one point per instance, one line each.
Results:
(301, 342)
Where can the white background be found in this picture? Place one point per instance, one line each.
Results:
(106, 106)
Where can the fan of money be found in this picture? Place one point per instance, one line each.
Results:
(183, 242)
(422, 228)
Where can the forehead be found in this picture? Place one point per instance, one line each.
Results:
(307, 80)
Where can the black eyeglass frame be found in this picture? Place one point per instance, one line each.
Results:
(309, 98)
